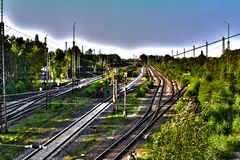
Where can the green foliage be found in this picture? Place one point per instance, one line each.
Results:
(92, 89)
(23, 86)
(143, 59)
(144, 88)
(180, 105)
(185, 137)
(10, 87)
(225, 146)
(58, 64)
(26, 60)
(208, 77)
(218, 113)
(193, 88)
(214, 82)
(236, 124)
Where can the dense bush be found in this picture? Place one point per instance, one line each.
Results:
(19, 86)
(185, 137)
(92, 89)
(144, 88)
(10, 87)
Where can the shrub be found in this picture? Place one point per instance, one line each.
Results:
(92, 89)
(20, 87)
(144, 89)
(208, 77)
(10, 88)
(236, 124)
(185, 137)
(225, 145)
(193, 89)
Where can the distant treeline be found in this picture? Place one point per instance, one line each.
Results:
(25, 60)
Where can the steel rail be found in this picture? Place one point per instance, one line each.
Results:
(169, 103)
(146, 118)
(107, 101)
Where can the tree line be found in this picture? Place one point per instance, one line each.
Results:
(25, 61)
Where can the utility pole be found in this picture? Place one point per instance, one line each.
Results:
(3, 126)
(73, 57)
(172, 53)
(184, 51)
(206, 49)
(65, 54)
(193, 51)
(78, 68)
(47, 84)
(125, 95)
(114, 82)
(114, 98)
(177, 53)
(228, 42)
(223, 45)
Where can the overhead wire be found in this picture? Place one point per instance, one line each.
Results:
(30, 37)
(202, 46)
(53, 42)
(19, 32)
(50, 46)
(56, 115)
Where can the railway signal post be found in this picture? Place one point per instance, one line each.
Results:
(125, 95)
(47, 74)
(73, 59)
(114, 82)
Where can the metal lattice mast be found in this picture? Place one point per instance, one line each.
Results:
(66, 54)
(78, 66)
(2, 76)
(73, 57)
(47, 73)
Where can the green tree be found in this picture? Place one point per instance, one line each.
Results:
(143, 59)
(59, 64)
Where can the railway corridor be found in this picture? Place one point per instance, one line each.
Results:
(57, 142)
(166, 90)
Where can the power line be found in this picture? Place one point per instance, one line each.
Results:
(56, 115)
(54, 42)
(195, 48)
(30, 37)
(19, 32)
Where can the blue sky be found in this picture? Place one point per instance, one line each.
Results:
(128, 24)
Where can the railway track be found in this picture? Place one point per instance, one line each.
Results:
(20, 108)
(119, 148)
(57, 142)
